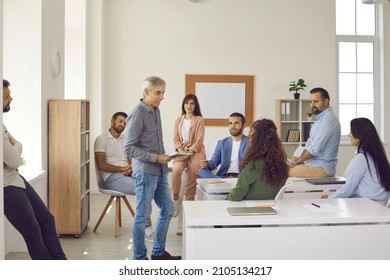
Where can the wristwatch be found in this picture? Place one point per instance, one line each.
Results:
(296, 161)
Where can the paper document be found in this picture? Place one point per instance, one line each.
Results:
(180, 155)
(321, 207)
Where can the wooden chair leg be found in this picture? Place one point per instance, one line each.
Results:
(120, 210)
(116, 227)
(103, 213)
(128, 205)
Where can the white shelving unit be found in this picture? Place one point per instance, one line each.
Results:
(292, 123)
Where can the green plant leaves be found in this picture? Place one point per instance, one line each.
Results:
(297, 85)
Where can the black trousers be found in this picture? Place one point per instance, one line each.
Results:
(29, 215)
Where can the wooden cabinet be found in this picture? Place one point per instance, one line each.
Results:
(69, 178)
(293, 123)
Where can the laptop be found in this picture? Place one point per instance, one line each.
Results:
(326, 181)
(251, 211)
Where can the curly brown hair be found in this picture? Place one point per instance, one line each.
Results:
(264, 143)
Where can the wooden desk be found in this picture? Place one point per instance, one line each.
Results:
(352, 228)
(298, 189)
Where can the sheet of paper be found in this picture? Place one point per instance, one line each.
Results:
(323, 207)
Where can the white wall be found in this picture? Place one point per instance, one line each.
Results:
(53, 39)
(22, 68)
(75, 52)
(95, 76)
(255, 37)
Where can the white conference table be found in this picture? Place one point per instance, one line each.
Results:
(352, 228)
(217, 189)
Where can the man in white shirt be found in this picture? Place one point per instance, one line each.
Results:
(229, 151)
(114, 164)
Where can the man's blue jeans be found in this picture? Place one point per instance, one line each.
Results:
(147, 188)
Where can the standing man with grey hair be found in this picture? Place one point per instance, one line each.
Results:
(144, 143)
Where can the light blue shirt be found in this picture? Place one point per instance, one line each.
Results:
(324, 141)
(360, 182)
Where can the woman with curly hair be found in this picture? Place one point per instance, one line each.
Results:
(264, 166)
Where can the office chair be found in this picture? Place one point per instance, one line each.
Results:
(113, 194)
(283, 190)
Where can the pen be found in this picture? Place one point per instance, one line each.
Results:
(316, 205)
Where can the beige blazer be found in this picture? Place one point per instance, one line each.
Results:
(196, 133)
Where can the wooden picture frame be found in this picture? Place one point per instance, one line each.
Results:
(215, 106)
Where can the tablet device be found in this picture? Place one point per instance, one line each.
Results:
(180, 155)
(326, 181)
(251, 211)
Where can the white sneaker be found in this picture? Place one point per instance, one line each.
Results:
(149, 234)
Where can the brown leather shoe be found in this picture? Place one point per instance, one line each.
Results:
(166, 256)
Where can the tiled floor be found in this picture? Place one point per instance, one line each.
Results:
(102, 245)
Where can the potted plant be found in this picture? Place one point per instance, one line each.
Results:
(297, 86)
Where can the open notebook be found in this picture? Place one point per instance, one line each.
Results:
(251, 211)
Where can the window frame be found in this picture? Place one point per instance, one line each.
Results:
(377, 72)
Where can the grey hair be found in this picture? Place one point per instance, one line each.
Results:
(151, 82)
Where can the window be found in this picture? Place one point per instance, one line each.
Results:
(357, 43)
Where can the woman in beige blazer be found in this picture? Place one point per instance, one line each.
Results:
(188, 138)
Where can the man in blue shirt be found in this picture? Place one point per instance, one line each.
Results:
(228, 152)
(144, 144)
(319, 156)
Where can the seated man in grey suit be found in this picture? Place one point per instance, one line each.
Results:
(114, 164)
(228, 152)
